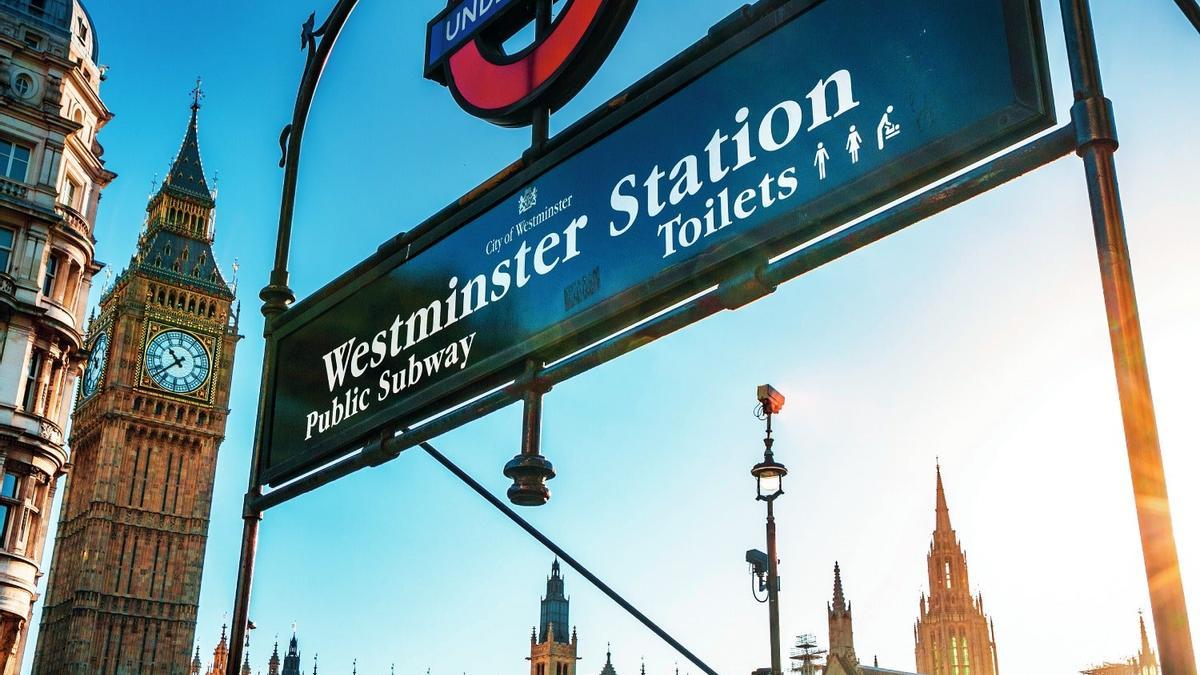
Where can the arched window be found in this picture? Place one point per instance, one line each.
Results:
(948, 579)
(966, 657)
(78, 118)
(954, 655)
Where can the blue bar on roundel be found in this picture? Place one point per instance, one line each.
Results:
(457, 25)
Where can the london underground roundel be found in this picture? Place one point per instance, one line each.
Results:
(465, 52)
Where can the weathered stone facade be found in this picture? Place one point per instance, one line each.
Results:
(51, 175)
(151, 413)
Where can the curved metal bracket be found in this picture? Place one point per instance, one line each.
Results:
(318, 43)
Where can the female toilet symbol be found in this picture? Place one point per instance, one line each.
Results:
(887, 129)
(853, 143)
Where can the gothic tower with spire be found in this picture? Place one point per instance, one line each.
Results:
(953, 635)
(220, 660)
(1147, 660)
(149, 418)
(550, 651)
(842, 660)
(273, 664)
(608, 666)
(291, 661)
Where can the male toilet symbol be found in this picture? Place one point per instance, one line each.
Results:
(821, 158)
(887, 129)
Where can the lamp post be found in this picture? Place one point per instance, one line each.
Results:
(769, 475)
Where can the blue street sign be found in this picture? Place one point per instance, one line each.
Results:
(814, 114)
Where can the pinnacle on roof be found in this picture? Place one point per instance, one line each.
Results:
(608, 666)
(187, 172)
(943, 511)
(839, 597)
(1146, 650)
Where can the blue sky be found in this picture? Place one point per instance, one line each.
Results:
(977, 337)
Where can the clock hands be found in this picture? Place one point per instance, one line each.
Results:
(178, 361)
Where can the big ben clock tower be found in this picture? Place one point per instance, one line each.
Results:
(149, 418)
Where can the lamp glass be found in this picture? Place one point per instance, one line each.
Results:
(770, 484)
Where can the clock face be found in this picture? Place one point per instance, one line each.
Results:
(95, 365)
(177, 361)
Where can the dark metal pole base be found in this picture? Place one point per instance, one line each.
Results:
(529, 474)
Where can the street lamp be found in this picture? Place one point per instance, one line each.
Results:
(769, 474)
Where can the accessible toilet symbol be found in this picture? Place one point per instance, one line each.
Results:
(853, 143)
(887, 129)
(822, 157)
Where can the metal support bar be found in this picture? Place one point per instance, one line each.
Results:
(1054, 145)
(1191, 9)
(544, 13)
(1097, 143)
(529, 469)
(566, 557)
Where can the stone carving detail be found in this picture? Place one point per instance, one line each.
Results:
(52, 99)
(51, 433)
(5, 75)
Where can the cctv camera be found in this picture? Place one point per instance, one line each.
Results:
(771, 399)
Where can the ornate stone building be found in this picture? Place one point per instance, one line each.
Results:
(51, 175)
(842, 658)
(150, 416)
(220, 659)
(550, 652)
(953, 635)
(1145, 663)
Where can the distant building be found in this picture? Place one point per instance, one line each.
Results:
(608, 666)
(952, 634)
(842, 658)
(550, 651)
(1145, 663)
(51, 175)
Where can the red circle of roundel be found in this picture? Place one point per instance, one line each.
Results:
(505, 89)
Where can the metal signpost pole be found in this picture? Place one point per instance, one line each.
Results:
(277, 296)
(1097, 141)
